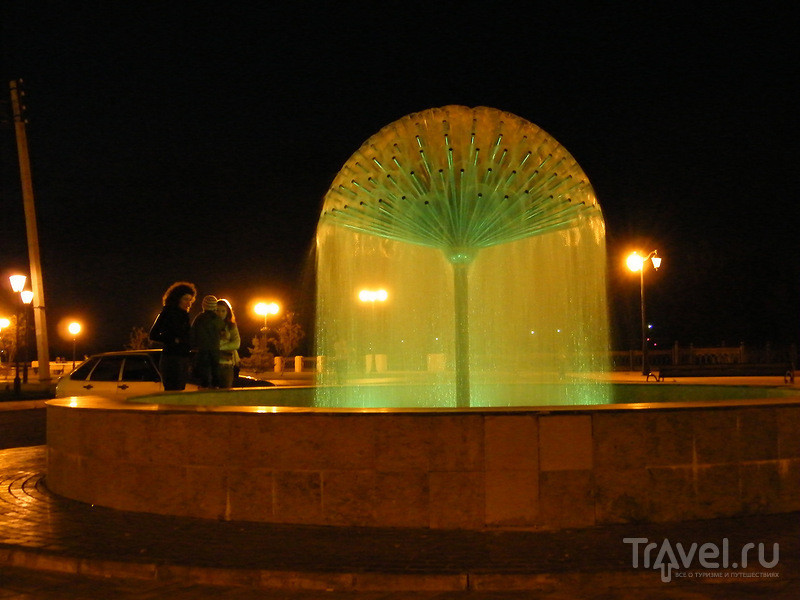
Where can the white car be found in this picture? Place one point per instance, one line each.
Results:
(119, 375)
(115, 375)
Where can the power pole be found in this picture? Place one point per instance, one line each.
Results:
(42, 349)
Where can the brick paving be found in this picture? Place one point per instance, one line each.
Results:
(71, 547)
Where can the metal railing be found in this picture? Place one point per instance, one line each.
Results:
(631, 360)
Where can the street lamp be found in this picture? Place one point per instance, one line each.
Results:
(638, 263)
(17, 285)
(74, 328)
(264, 309)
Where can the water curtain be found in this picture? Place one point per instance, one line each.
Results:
(460, 180)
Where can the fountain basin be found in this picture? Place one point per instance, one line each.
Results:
(512, 467)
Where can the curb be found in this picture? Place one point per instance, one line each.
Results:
(265, 579)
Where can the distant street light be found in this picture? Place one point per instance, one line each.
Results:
(17, 285)
(637, 263)
(74, 328)
(264, 309)
(373, 296)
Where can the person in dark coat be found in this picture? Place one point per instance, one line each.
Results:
(172, 329)
(206, 331)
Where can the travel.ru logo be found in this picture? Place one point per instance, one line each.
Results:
(708, 555)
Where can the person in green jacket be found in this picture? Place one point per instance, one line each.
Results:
(229, 343)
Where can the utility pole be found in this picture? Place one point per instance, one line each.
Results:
(42, 349)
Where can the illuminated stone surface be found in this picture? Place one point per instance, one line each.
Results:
(553, 467)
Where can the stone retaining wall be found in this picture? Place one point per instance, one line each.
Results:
(476, 468)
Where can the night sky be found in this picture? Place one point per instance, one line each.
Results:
(196, 141)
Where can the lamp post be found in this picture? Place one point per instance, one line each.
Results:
(17, 285)
(265, 309)
(74, 328)
(27, 298)
(638, 263)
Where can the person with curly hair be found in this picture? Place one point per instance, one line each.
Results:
(172, 329)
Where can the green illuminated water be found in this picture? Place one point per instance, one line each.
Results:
(488, 240)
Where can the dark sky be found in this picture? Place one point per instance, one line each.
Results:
(196, 141)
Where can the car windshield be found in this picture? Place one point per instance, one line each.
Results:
(82, 372)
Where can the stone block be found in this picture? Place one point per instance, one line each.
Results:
(298, 497)
(759, 487)
(402, 499)
(107, 437)
(512, 498)
(158, 489)
(164, 441)
(456, 500)
(253, 442)
(758, 434)
(95, 481)
(621, 496)
(669, 494)
(788, 424)
(566, 498)
(667, 438)
(319, 442)
(716, 436)
(511, 443)
(207, 438)
(63, 428)
(348, 497)
(249, 494)
(408, 585)
(565, 443)
(132, 432)
(403, 443)
(65, 475)
(619, 440)
(349, 441)
(789, 486)
(456, 443)
(717, 490)
(206, 492)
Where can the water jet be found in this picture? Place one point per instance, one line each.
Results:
(492, 243)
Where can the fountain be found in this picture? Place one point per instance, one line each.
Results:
(487, 239)
(479, 247)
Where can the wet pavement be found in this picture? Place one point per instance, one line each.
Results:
(52, 547)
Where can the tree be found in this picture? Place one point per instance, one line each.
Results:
(260, 359)
(8, 338)
(139, 340)
(285, 339)
(288, 335)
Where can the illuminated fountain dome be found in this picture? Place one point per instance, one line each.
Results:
(461, 262)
